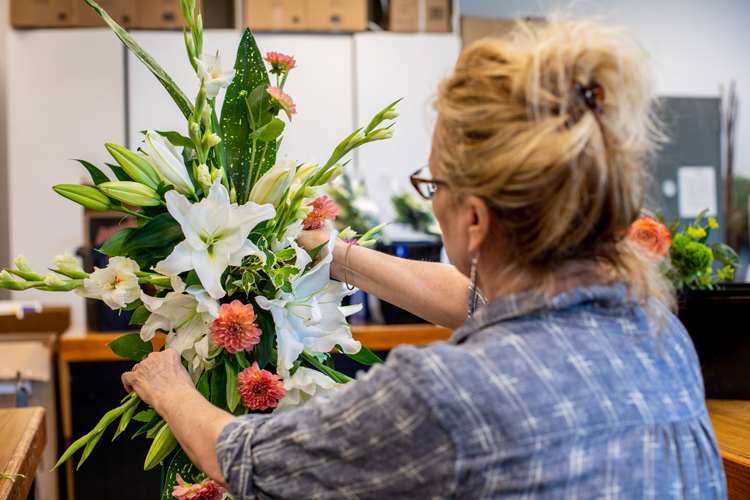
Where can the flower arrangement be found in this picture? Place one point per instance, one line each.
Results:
(252, 314)
(416, 212)
(359, 212)
(684, 258)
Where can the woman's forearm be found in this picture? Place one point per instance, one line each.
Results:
(433, 291)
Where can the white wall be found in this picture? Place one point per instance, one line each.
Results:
(65, 100)
(696, 46)
(4, 232)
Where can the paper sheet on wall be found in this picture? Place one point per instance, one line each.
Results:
(697, 191)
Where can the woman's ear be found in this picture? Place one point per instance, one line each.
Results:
(480, 222)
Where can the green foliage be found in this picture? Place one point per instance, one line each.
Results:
(96, 175)
(357, 210)
(181, 465)
(412, 210)
(140, 316)
(364, 356)
(130, 346)
(113, 246)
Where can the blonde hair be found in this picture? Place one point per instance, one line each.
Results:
(563, 173)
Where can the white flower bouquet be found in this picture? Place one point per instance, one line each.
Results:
(253, 315)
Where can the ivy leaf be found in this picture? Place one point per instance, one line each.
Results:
(286, 286)
(285, 255)
(130, 346)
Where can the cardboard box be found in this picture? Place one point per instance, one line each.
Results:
(337, 15)
(276, 15)
(432, 16)
(160, 14)
(474, 28)
(124, 13)
(41, 13)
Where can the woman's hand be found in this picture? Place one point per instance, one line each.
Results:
(159, 374)
(314, 238)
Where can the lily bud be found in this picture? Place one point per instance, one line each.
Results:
(134, 165)
(202, 175)
(68, 265)
(23, 265)
(53, 280)
(163, 444)
(168, 163)
(83, 195)
(271, 187)
(132, 193)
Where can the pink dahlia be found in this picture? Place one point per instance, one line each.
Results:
(280, 100)
(234, 329)
(323, 209)
(260, 389)
(280, 63)
(205, 490)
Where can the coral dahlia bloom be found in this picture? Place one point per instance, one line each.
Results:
(260, 389)
(323, 209)
(234, 329)
(282, 101)
(280, 63)
(652, 238)
(205, 490)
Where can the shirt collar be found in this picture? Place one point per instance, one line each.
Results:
(531, 303)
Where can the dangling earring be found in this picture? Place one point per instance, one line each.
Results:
(473, 295)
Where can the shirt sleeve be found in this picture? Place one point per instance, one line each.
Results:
(376, 438)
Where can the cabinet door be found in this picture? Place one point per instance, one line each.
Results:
(321, 87)
(65, 100)
(390, 66)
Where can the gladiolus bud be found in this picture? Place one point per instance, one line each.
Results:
(212, 140)
(5, 276)
(380, 135)
(195, 130)
(390, 115)
(132, 193)
(303, 212)
(216, 175)
(202, 175)
(348, 234)
(168, 163)
(311, 192)
(68, 265)
(53, 280)
(271, 187)
(206, 115)
(163, 444)
(330, 175)
(83, 195)
(135, 166)
(358, 137)
(23, 265)
(232, 195)
(305, 171)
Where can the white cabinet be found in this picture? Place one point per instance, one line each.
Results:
(65, 100)
(390, 66)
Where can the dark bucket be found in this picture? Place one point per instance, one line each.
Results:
(718, 321)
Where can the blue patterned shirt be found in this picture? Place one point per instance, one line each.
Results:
(580, 396)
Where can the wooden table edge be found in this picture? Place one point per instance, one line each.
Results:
(34, 434)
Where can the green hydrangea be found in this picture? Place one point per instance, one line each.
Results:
(696, 257)
(679, 242)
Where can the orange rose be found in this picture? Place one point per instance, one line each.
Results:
(652, 238)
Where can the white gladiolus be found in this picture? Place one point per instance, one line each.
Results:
(116, 284)
(53, 280)
(68, 264)
(210, 73)
(271, 187)
(203, 176)
(167, 162)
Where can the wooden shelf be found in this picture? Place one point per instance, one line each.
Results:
(22, 440)
(731, 421)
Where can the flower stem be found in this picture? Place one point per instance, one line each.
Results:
(126, 211)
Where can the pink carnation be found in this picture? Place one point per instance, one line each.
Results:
(205, 490)
(280, 63)
(323, 209)
(260, 389)
(234, 329)
(282, 101)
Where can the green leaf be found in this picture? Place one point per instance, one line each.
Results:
(145, 415)
(96, 175)
(286, 286)
(133, 305)
(175, 138)
(233, 395)
(241, 360)
(161, 232)
(178, 95)
(315, 251)
(155, 420)
(204, 386)
(659, 216)
(674, 226)
(130, 346)
(181, 465)
(119, 172)
(725, 254)
(140, 316)
(700, 217)
(263, 350)
(235, 122)
(193, 279)
(269, 132)
(219, 388)
(113, 246)
(285, 255)
(364, 356)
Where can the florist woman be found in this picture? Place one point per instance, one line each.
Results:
(574, 380)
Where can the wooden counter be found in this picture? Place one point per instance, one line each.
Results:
(22, 440)
(731, 421)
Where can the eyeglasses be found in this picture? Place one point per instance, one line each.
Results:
(424, 183)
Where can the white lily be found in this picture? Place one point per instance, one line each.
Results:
(290, 235)
(303, 385)
(197, 357)
(311, 316)
(271, 187)
(178, 315)
(116, 284)
(215, 236)
(210, 73)
(167, 162)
